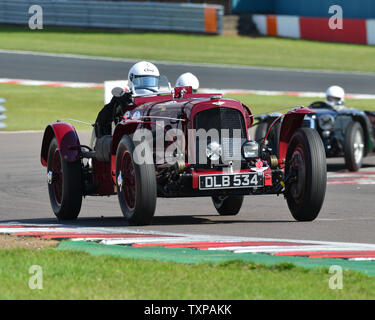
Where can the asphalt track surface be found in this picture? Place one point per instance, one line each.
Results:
(80, 69)
(348, 214)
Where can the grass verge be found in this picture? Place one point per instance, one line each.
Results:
(32, 108)
(264, 51)
(77, 275)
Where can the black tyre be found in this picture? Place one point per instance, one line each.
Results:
(227, 206)
(354, 146)
(64, 184)
(136, 183)
(306, 172)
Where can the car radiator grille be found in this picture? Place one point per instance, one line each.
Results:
(222, 118)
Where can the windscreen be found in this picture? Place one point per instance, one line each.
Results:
(151, 85)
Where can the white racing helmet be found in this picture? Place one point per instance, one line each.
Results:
(335, 96)
(143, 78)
(188, 80)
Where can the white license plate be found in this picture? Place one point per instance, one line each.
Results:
(231, 181)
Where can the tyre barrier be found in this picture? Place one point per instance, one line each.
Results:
(2, 116)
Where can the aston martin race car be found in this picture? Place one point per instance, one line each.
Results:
(345, 132)
(181, 144)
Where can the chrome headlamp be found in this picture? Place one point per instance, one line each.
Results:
(326, 122)
(214, 151)
(250, 149)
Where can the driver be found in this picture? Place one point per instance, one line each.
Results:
(188, 80)
(143, 78)
(335, 97)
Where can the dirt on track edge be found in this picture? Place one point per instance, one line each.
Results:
(34, 243)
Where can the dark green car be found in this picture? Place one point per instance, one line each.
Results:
(345, 132)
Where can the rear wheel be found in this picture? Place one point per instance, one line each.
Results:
(354, 146)
(227, 205)
(64, 184)
(306, 175)
(136, 183)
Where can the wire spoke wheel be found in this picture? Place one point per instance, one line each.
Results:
(298, 167)
(128, 188)
(359, 147)
(136, 184)
(354, 146)
(64, 180)
(57, 177)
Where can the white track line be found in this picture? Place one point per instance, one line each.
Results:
(62, 84)
(58, 84)
(22, 131)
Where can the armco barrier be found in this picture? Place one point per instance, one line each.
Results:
(357, 31)
(153, 16)
(2, 116)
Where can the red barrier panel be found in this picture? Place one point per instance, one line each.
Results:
(354, 30)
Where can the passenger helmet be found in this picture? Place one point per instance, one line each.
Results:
(188, 80)
(143, 78)
(335, 96)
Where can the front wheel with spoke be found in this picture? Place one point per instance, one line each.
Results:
(307, 171)
(64, 184)
(136, 183)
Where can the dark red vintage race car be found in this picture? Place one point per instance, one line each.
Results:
(185, 145)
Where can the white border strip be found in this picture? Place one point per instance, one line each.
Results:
(305, 94)
(6, 228)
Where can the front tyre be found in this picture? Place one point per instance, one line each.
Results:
(306, 174)
(227, 205)
(354, 146)
(136, 183)
(64, 184)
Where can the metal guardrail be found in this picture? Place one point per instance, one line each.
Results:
(156, 16)
(2, 116)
